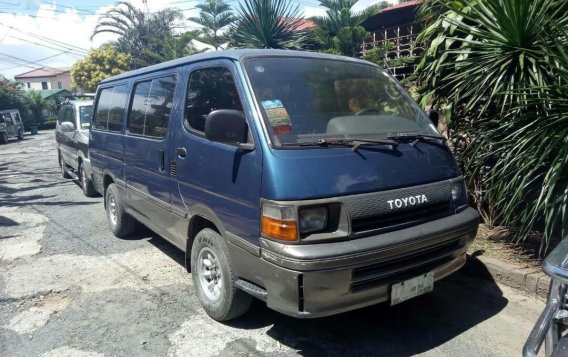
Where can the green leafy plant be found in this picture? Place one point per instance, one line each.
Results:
(340, 30)
(142, 34)
(214, 16)
(499, 69)
(268, 24)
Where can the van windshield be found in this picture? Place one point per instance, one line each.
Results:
(305, 100)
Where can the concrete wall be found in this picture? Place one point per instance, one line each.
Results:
(52, 82)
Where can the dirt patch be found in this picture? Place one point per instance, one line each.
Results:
(496, 242)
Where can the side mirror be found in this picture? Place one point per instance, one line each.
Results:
(227, 126)
(67, 127)
(433, 116)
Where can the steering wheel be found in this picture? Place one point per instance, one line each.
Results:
(368, 111)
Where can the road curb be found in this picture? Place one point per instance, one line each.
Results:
(530, 280)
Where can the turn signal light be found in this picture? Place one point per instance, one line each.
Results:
(283, 230)
(279, 222)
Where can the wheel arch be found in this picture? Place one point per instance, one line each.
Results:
(107, 180)
(201, 217)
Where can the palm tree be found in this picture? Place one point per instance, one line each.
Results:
(500, 68)
(268, 24)
(141, 34)
(180, 45)
(340, 30)
(215, 16)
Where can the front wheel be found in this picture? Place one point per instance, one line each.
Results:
(3, 138)
(86, 183)
(214, 279)
(20, 134)
(121, 224)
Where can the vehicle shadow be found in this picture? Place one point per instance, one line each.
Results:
(7, 222)
(142, 232)
(457, 304)
(14, 140)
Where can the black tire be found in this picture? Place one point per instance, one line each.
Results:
(3, 138)
(121, 224)
(20, 135)
(86, 183)
(231, 302)
(62, 166)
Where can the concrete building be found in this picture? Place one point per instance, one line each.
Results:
(45, 78)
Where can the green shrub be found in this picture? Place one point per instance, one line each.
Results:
(499, 69)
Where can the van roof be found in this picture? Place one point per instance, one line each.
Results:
(227, 54)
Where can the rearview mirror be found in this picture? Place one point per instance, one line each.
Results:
(433, 116)
(67, 127)
(227, 126)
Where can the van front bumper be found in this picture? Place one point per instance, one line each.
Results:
(316, 280)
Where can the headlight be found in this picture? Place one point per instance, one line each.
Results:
(456, 191)
(459, 195)
(279, 222)
(313, 219)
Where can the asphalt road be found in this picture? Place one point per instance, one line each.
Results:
(68, 287)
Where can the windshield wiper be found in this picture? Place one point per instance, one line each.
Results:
(416, 137)
(354, 143)
(358, 143)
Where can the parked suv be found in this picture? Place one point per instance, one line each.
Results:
(309, 181)
(11, 125)
(72, 136)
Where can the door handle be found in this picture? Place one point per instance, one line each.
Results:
(181, 152)
(162, 161)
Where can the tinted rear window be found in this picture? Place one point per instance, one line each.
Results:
(111, 108)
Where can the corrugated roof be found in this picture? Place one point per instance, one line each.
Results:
(402, 13)
(42, 72)
(401, 5)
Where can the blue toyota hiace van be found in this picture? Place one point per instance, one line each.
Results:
(312, 182)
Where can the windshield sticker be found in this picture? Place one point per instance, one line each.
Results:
(85, 125)
(277, 116)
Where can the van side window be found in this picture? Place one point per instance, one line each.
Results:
(209, 89)
(111, 108)
(151, 105)
(17, 118)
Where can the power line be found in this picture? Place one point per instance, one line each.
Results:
(46, 46)
(36, 61)
(69, 7)
(14, 58)
(37, 16)
(49, 40)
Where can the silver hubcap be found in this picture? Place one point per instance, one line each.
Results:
(112, 214)
(209, 273)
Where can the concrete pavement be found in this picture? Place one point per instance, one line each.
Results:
(68, 287)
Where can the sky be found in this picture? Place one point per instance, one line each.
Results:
(35, 33)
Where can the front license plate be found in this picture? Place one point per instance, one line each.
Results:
(412, 288)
